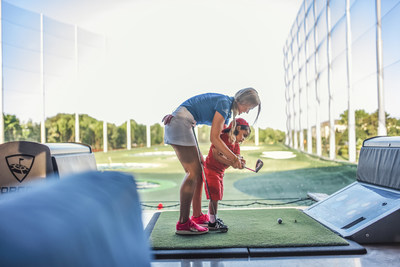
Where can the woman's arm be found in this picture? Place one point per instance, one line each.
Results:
(216, 128)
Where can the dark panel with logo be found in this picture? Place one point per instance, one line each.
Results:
(22, 162)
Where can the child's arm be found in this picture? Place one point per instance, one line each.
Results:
(221, 158)
(224, 159)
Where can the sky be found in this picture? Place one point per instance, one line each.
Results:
(159, 53)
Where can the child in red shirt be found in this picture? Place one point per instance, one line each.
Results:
(215, 166)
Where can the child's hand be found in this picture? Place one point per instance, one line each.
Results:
(237, 163)
(243, 161)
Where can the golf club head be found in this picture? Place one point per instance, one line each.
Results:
(259, 165)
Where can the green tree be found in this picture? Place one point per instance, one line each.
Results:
(116, 136)
(12, 128)
(393, 126)
(31, 131)
(269, 136)
(91, 132)
(366, 127)
(60, 128)
(157, 134)
(138, 133)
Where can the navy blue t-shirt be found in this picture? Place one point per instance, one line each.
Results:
(204, 106)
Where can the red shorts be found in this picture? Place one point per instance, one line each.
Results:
(215, 184)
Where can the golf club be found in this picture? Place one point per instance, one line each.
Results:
(259, 165)
(223, 230)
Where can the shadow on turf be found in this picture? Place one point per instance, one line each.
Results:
(297, 183)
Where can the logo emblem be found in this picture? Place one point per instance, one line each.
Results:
(20, 165)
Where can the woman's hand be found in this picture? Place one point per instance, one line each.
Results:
(167, 119)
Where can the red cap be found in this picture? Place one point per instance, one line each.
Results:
(239, 121)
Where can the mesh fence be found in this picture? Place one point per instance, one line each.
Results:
(331, 52)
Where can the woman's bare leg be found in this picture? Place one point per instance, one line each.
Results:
(196, 202)
(188, 156)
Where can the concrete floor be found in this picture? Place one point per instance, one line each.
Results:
(377, 255)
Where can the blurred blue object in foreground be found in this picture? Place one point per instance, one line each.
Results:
(87, 219)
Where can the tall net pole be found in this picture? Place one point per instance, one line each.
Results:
(128, 135)
(332, 145)
(105, 137)
(293, 92)
(379, 62)
(309, 132)
(1, 79)
(351, 116)
(317, 95)
(76, 78)
(42, 86)
(299, 70)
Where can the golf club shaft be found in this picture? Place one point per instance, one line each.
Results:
(204, 174)
(243, 166)
(250, 169)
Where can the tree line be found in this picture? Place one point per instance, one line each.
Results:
(61, 128)
(366, 125)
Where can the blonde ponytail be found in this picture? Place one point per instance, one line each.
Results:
(235, 111)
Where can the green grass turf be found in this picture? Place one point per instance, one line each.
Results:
(253, 228)
(279, 178)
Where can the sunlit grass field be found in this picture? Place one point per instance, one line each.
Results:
(281, 180)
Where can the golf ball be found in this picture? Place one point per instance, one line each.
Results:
(279, 220)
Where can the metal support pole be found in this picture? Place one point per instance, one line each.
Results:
(76, 78)
(105, 137)
(317, 98)
(351, 116)
(293, 95)
(128, 135)
(379, 61)
(148, 135)
(288, 139)
(1, 79)
(332, 145)
(301, 134)
(42, 87)
(309, 132)
(288, 119)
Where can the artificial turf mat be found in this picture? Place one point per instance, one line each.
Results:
(253, 228)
